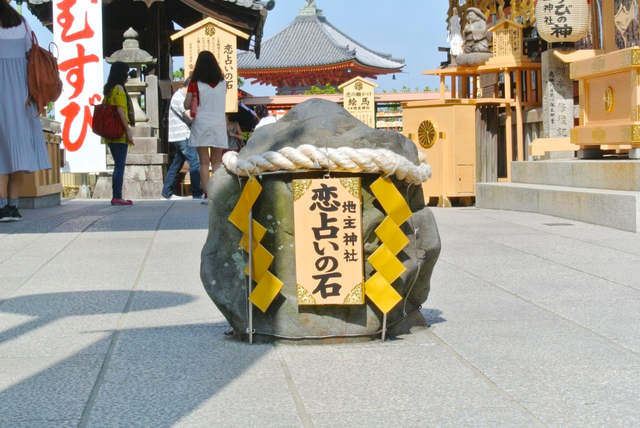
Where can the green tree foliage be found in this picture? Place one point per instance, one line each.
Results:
(326, 89)
(178, 75)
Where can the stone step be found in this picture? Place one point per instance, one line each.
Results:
(597, 174)
(142, 159)
(147, 145)
(611, 208)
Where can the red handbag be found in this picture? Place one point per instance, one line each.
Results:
(107, 122)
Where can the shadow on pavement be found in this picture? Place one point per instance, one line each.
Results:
(155, 376)
(432, 316)
(50, 307)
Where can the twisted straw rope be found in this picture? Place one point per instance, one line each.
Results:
(308, 157)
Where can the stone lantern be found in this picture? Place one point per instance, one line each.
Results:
(134, 56)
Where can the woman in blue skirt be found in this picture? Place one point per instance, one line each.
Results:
(22, 145)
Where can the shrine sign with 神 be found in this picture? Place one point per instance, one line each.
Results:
(221, 40)
(77, 32)
(359, 99)
(328, 241)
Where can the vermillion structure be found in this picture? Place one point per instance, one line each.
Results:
(311, 51)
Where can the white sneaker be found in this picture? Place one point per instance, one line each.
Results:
(174, 198)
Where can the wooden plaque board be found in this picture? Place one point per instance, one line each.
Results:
(221, 40)
(359, 100)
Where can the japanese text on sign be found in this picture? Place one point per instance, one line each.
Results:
(328, 241)
(359, 100)
(77, 27)
(556, 14)
(222, 44)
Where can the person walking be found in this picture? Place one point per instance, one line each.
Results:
(22, 145)
(209, 128)
(179, 131)
(115, 94)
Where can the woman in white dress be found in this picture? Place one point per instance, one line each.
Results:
(209, 127)
(22, 146)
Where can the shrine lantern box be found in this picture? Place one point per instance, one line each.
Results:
(446, 133)
(609, 99)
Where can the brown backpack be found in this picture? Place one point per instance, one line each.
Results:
(43, 77)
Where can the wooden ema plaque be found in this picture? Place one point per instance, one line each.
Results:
(221, 40)
(328, 241)
(359, 99)
(609, 100)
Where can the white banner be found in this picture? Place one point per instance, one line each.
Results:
(77, 31)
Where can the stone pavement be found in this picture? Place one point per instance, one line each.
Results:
(104, 323)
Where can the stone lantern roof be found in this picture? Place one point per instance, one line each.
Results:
(131, 53)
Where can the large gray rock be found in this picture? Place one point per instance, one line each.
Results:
(323, 124)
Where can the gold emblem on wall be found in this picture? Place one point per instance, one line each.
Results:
(210, 30)
(427, 134)
(608, 99)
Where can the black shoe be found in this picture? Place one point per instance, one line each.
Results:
(5, 213)
(14, 214)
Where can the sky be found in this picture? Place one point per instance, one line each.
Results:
(409, 29)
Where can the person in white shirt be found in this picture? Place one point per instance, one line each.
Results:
(265, 118)
(179, 132)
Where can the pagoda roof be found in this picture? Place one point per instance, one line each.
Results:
(312, 41)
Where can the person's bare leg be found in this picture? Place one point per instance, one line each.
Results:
(16, 181)
(4, 186)
(203, 156)
(216, 158)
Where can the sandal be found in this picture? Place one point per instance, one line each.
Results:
(115, 201)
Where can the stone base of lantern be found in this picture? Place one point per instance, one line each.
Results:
(145, 169)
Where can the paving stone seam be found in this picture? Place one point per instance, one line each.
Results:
(86, 413)
(515, 404)
(569, 320)
(564, 236)
(12, 292)
(304, 416)
(550, 260)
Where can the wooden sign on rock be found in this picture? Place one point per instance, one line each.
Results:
(328, 241)
(221, 40)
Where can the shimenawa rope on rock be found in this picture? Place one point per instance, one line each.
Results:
(308, 157)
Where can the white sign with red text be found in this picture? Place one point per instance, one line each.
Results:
(77, 31)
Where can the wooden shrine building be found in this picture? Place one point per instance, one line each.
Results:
(310, 51)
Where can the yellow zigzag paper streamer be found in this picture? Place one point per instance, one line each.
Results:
(388, 268)
(268, 285)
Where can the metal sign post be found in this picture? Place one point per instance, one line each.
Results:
(384, 327)
(250, 307)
